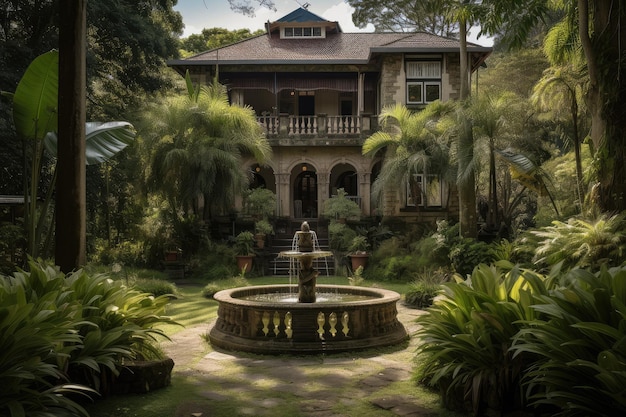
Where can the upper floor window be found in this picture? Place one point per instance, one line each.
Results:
(427, 191)
(302, 32)
(423, 81)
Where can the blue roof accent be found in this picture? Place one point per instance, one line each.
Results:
(301, 15)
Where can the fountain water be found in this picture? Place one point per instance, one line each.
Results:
(265, 319)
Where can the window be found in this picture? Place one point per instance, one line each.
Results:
(302, 32)
(423, 81)
(429, 192)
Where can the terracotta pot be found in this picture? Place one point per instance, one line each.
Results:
(171, 256)
(359, 259)
(244, 261)
(260, 241)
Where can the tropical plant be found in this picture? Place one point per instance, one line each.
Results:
(244, 243)
(340, 236)
(578, 339)
(263, 227)
(359, 245)
(584, 243)
(467, 334)
(60, 331)
(260, 203)
(411, 145)
(194, 145)
(35, 118)
(340, 207)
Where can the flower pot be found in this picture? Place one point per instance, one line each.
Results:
(260, 240)
(359, 259)
(171, 256)
(244, 261)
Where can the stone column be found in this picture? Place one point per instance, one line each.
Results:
(283, 194)
(365, 188)
(323, 180)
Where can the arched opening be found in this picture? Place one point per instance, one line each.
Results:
(262, 177)
(344, 176)
(305, 193)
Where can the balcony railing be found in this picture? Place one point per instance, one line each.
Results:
(320, 125)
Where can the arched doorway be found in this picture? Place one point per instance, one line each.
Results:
(305, 193)
(344, 176)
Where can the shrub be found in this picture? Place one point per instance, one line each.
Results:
(423, 291)
(340, 236)
(340, 206)
(467, 335)
(156, 287)
(582, 243)
(580, 340)
(469, 253)
(234, 282)
(78, 327)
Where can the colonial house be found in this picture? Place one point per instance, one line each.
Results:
(318, 91)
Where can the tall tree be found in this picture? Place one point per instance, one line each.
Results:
(71, 236)
(194, 145)
(404, 16)
(411, 146)
(214, 38)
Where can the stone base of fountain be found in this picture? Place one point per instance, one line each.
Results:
(251, 319)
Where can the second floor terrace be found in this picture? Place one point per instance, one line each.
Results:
(321, 129)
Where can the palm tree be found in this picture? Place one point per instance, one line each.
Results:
(563, 86)
(195, 145)
(411, 146)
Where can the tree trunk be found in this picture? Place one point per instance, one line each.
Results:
(467, 184)
(467, 180)
(71, 200)
(602, 45)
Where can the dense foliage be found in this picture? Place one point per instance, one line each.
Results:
(510, 339)
(63, 335)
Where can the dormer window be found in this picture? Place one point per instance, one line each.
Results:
(303, 32)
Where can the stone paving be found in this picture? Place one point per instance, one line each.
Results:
(318, 382)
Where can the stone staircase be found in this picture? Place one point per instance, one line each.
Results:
(283, 240)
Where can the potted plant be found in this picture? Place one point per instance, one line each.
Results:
(244, 250)
(262, 228)
(358, 252)
(260, 203)
(340, 207)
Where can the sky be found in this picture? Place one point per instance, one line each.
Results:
(201, 14)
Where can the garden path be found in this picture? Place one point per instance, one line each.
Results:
(258, 385)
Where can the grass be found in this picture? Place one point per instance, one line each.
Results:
(192, 392)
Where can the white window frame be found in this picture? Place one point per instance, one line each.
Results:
(424, 200)
(425, 74)
(305, 32)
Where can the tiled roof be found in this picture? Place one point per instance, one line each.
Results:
(301, 15)
(336, 48)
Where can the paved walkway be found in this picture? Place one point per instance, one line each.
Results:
(318, 382)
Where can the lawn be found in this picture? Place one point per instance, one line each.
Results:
(191, 309)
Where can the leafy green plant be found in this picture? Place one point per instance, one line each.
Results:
(468, 253)
(244, 243)
(210, 289)
(582, 243)
(263, 227)
(36, 322)
(259, 203)
(579, 337)
(423, 290)
(340, 236)
(357, 277)
(359, 245)
(156, 287)
(340, 206)
(467, 335)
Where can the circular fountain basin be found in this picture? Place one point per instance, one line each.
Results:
(268, 319)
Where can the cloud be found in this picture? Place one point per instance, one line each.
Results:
(342, 13)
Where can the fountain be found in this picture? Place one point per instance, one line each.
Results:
(323, 318)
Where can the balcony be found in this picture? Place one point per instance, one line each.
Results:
(328, 130)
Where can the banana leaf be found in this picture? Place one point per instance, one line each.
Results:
(35, 102)
(103, 140)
